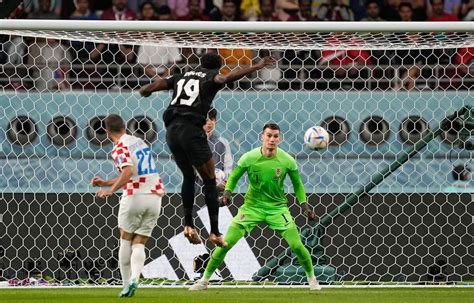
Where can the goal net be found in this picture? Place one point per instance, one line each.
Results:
(377, 88)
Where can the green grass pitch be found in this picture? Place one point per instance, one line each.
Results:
(274, 295)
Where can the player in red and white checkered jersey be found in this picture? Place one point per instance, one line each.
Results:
(133, 151)
(140, 204)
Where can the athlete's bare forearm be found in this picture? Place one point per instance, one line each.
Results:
(121, 180)
(110, 182)
(157, 85)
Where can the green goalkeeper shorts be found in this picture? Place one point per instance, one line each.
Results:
(278, 219)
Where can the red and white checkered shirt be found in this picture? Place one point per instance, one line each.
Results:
(133, 151)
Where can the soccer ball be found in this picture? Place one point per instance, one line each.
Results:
(316, 137)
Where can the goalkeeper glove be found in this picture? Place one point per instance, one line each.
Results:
(309, 213)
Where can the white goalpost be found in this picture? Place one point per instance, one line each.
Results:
(377, 87)
(300, 35)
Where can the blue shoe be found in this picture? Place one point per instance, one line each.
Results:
(132, 287)
(124, 292)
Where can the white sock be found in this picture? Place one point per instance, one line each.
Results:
(125, 251)
(137, 260)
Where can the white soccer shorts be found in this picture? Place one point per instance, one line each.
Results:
(138, 213)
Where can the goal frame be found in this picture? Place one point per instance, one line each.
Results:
(237, 27)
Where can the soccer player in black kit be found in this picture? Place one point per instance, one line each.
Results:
(193, 93)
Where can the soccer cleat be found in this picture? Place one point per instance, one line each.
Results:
(199, 285)
(132, 287)
(218, 240)
(313, 284)
(124, 292)
(192, 235)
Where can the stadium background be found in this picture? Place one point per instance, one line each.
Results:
(68, 166)
(50, 224)
(399, 233)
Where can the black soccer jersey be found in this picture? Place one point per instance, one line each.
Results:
(193, 93)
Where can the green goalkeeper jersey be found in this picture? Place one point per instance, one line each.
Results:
(266, 178)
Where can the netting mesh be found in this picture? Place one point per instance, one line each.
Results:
(374, 103)
(282, 40)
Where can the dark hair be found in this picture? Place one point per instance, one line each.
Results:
(442, 1)
(270, 125)
(146, 3)
(369, 2)
(212, 114)
(405, 4)
(211, 61)
(114, 123)
(461, 172)
(164, 10)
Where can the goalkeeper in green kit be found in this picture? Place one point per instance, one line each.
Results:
(265, 201)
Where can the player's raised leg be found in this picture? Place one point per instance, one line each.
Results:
(233, 235)
(187, 194)
(207, 173)
(174, 136)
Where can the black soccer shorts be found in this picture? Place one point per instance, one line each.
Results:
(188, 143)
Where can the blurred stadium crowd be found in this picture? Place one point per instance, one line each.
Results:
(39, 64)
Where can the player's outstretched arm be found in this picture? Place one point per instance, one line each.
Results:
(242, 72)
(157, 85)
(301, 194)
(120, 181)
(297, 185)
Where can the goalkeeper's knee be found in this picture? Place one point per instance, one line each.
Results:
(233, 235)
